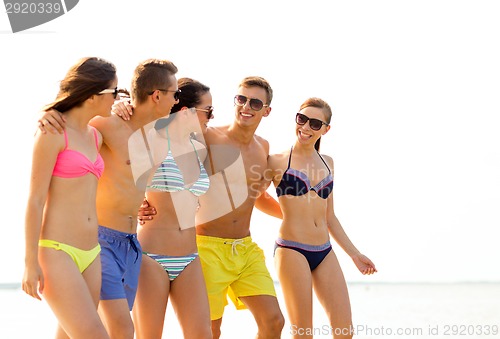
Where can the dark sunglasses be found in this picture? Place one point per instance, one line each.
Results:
(176, 93)
(255, 104)
(315, 124)
(113, 91)
(209, 112)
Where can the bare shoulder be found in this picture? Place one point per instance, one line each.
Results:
(105, 124)
(260, 140)
(277, 158)
(111, 128)
(328, 159)
(216, 134)
(49, 141)
(217, 130)
(277, 164)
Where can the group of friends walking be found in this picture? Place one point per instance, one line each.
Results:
(101, 163)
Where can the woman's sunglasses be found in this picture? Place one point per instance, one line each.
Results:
(209, 111)
(255, 104)
(113, 91)
(315, 124)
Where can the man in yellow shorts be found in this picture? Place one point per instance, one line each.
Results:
(234, 267)
(232, 263)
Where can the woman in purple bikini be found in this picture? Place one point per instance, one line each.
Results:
(303, 254)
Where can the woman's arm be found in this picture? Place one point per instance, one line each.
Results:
(45, 150)
(336, 230)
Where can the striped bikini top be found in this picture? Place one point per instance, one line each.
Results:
(168, 177)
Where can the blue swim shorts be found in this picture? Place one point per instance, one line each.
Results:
(121, 256)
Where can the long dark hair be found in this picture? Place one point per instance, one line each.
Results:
(190, 96)
(323, 105)
(87, 77)
(191, 92)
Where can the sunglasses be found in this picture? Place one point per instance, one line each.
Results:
(315, 124)
(208, 112)
(255, 104)
(176, 93)
(113, 91)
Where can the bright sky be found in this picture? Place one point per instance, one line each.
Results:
(414, 86)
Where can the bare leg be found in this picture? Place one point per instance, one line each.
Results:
(331, 289)
(267, 314)
(151, 300)
(216, 324)
(116, 317)
(296, 282)
(66, 287)
(189, 299)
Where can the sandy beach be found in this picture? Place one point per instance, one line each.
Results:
(407, 310)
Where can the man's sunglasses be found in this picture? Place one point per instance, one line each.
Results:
(113, 91)
(255, 104)
(209, 112)
(315, 124)
(176, 93)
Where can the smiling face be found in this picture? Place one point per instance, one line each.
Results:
(245, 115)
(305, 134)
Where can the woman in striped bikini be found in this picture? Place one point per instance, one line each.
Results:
(171, 268)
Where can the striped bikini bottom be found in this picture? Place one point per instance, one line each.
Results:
(173, 265)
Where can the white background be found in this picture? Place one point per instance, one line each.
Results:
(414, 86)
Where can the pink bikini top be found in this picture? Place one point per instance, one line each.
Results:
(72, 164)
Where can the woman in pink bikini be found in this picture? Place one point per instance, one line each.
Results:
(303, 254)
(62, 260)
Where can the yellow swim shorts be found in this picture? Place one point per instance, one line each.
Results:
(234, 267)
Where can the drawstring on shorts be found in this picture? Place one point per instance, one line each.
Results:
(131, 238)
(233, 244)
